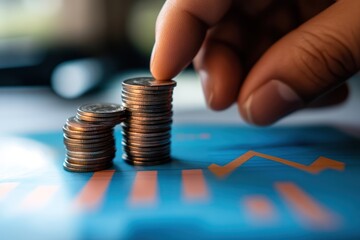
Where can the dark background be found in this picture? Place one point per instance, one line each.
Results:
(38, 35)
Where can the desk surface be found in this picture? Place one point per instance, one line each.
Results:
(223, 182)
(226, 180)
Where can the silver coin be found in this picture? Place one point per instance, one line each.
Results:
(101, 110)
(146, 89)
(77, 125)
(110, 121)
(148, 82)
(146, 93)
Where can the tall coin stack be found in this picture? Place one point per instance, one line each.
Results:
(89, 138)
(147, 129)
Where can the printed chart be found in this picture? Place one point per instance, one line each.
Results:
(223, 182)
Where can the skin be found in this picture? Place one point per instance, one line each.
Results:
(271, 57)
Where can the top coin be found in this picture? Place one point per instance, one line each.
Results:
(148, 83)
(102, 110)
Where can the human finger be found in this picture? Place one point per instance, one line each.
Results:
(180, 30)
(305, 64)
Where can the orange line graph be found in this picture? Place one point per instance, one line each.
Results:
(320, 164)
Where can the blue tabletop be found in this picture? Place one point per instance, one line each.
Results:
(223, 182)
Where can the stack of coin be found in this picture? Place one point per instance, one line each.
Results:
(89, 138)
(147, 129)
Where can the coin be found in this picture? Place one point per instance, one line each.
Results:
(101, 109)
(75, 124)
(112, 121)
(69, 131)
(71, 140)
(148, 83)
(145, 161)
(84, 168)
(100, 160)
(140, 98)
(92, 154)
(89, 139)
(147, 129)
(87, 136)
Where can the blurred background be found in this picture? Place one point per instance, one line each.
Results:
(36, 36)
(58, 54)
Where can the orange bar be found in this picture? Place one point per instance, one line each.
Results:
(259, 207)
(310, 212)
(92, 194)
(5, 188)
(39, 197)
(144, 190)
(194, 185)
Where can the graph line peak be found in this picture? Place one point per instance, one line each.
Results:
(319, 165)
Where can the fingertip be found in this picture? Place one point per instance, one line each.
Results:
(270, 102)
(158, 71)
(180, 30)
(220, 71)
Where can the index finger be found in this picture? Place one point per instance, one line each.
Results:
(180, 30)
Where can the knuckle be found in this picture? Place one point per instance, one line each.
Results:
(324, 57)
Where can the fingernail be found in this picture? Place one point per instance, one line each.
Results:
(271, 102)
(204, 77)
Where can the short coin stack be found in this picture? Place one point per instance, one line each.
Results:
(89, 138)
(147, 129)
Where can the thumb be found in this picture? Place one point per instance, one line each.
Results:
(304, 65)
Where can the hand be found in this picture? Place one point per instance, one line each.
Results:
(271, 57)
